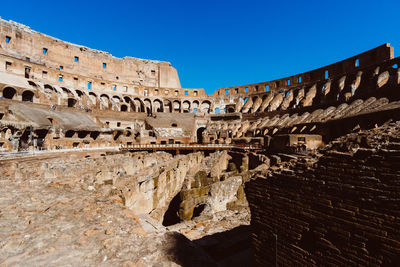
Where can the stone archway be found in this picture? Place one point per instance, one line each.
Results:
(199, 135)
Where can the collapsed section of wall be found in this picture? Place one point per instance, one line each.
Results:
(340, 209)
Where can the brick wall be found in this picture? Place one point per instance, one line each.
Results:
(339, 209)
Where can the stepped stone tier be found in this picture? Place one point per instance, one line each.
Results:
(108, 161)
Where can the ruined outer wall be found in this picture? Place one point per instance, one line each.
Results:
(340, 210)
(29, 45)
(373, 56)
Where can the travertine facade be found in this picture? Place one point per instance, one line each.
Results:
(313, 200)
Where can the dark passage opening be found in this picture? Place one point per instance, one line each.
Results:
(171, 216)
(198, 210)
(200, 135)
(230, 248)
(71, 102)
(308, 241)
(27, 96)
(9, 93)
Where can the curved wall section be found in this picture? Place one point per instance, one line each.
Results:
(21, 42)
(370, 57)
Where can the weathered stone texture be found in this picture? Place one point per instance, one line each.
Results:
(339, 209)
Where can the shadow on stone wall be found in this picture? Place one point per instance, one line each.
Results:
(186, 253)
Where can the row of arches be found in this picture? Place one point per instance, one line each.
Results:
(11, 93)
(114, 102)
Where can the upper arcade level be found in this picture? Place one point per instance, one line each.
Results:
(336, 70)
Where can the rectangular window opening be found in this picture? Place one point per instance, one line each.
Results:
(246, 89)
(326, 74)
(266, 88)
(60, 78)
(125, 89)
(186, 93)
(27, 72)
(195, 93)
(227, 91)
(8, 65)
(300, 79)
(61, 67)
(176, 92)
(44, 74)
(153, 72)
(114, 87)
(44, 51)
(89, 85)
(357, 63)
(288, 82)
(76, 59)
(256, 87)
(104, 65)
(236, 90)
(8, 39)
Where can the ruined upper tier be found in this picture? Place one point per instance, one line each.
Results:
(57, 57)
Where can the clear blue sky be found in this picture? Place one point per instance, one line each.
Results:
(217, 44)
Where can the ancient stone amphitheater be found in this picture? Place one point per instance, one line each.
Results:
(109, 162)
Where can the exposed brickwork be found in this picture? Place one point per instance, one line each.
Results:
(339, 209)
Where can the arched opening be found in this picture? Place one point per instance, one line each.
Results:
(25, 139)
(205, 106)
(167, 106)
(116, 98)
(48, 88)
(104, 99)
(9, 92)
(199, 135)
(69, 133)
(32, 84)
(158, 106)
(71, 102)
(92, 97)
(186, 106)
(82, 134)
(66, 91)
(148, 106)
(94, 135)
(198, 210)
(171, 216)
(124, 108)
(129, 101)
(139, 105)
(79, 93)
(27, 96)
(176, 106)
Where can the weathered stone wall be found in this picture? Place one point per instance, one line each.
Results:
(58, 210)
(20, 42)
(339, 209)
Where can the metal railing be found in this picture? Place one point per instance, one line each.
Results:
(45, 151)
(190, 146)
